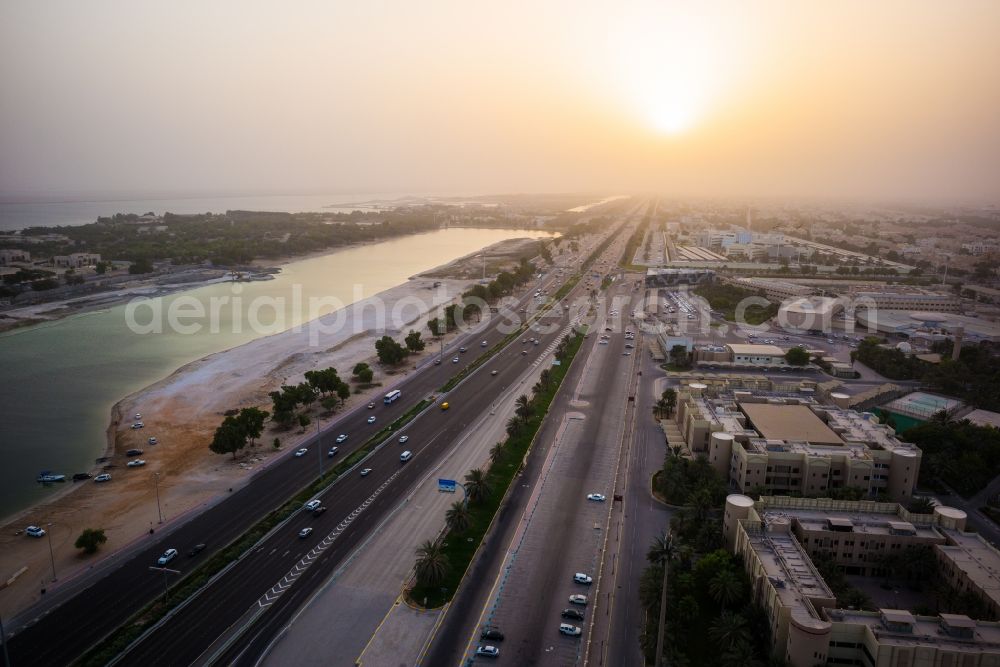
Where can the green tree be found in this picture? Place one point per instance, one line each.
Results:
(458, 517)
(496, 453)
(513, 426)
(725, 588)
(251, 422)
(679, 356)
(229, 437)
(413, 341)
(669, 398)
(304, 421)
(344, 391)
(921, 505)
(389, 351)
(477, 485)
(90, 540)
(324, 381)
(796, 356)
(729, 629)
(524, 409)
(432, 563)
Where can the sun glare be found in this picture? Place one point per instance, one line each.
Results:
(670, 69)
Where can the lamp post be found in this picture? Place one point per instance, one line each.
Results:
(319, 448)
(51, 555)
(166, 585)
(156, 485)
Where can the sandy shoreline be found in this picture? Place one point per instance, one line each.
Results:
(183, 409)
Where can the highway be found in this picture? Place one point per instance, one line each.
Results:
(531, 623)
(63, 633)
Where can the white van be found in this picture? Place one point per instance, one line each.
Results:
(405, 456)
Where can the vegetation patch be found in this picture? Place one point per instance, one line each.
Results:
(726, 299)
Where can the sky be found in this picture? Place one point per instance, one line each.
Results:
(889, 99)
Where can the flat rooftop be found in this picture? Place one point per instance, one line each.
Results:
(868, 523)
(977, 559)
(792, 572)
(789, 422)
(984, 418)
(926, 631)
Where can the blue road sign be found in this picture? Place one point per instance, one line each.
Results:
(447, 485)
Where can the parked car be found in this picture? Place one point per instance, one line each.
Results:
(134, 452)
(167, 556)
(34, 531)
(103, 477)
(301, 452)
(597, 497)
(578, 599)
(493, 634)
(488, 651)
(570, 630)
(81, 476)
(196, 549)
(582, 578)
(574, 614)
(137, 425)
(136, 463)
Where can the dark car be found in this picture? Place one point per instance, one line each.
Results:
(493, 634)
(575, 614)
(318, 511)
(134, 452)
(81, 476)
(196, 549)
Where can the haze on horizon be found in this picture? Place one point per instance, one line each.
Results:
(895, 99)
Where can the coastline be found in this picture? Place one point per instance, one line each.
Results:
(183, 408)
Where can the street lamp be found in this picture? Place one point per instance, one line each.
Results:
(166, 585)
(156, 485)
(51, 555)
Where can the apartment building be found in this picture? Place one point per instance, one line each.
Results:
(777, 539)
(10, 256)
(910, 300)
(76, 260)
(792, 445)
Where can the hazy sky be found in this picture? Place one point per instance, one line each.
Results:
(885, 98)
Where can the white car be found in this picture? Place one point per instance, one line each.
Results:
(301, 452)
(103, 477)
(483, 344)
(136, 463)
(333, 452)
(403, 438)
(582, 578)
(364, 473)
(578, 599)
(313, 504)
(570, 630)
(341, 437)
(488, 651)
(34, 531)
(597, 497)
(371, 420)
(167, 556)
(138, 416)
(305, 532)
(137, 425)
(454, 360)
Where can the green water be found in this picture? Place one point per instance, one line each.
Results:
(59, 380)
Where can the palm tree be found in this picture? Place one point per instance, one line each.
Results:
(725, 587)
(729, 629)
(513, 426)
(701, 503)
(496, 453)
(660, 552)
(545, 377)
(432, 563)
(660, 408)
(670, 400)
(458, 517)
(524, 409)
(477, 485)
(740, 654)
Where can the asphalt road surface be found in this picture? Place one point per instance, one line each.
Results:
(61, 634)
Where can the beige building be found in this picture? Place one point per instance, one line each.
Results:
(910, 300)
(790, 444)
(776, 538)
(774, 290)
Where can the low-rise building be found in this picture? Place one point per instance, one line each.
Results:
(76, 260)
(10, 256)
(810, 313)
(791, 444)
(777, 540)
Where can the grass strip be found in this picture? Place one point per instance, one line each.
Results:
(145, 618)
(460, 548)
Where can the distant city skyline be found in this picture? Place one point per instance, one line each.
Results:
(888, 101)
